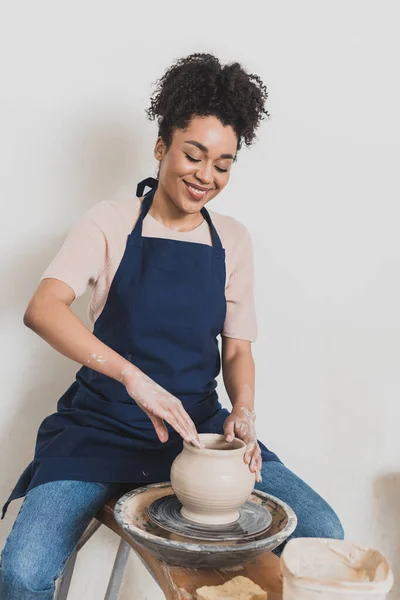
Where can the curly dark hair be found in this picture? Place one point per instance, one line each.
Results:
(198, 85)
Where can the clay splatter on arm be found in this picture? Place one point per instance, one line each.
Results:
(100, 360)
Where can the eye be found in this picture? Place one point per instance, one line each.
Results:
(221, 170)
(195, 160)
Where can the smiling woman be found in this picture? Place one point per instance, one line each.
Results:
(194, 168)
(205, 112)
(167, 277)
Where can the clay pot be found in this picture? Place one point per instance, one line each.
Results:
(213, 483)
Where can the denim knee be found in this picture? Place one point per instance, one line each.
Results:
(22, 571)
(331, 526)
(315, 518)
(324, 524)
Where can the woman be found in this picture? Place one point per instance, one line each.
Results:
(167, 278)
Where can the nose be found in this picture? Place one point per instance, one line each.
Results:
(204, 173)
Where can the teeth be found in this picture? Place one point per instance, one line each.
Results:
(197, 192)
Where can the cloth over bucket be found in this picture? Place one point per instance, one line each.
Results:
(326, 569)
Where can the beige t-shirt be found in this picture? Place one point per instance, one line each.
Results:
(94, 247)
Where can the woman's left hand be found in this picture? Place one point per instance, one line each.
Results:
(241, 424)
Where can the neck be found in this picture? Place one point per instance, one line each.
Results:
(166, 212)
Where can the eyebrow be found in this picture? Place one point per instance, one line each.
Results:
(205, 149)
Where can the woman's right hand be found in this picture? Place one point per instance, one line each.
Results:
(159, 405)
(50, 316)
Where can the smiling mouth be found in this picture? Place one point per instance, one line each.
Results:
(196, 191)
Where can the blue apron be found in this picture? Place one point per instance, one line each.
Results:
(165, 308)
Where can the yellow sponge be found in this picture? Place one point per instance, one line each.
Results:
(239, 588)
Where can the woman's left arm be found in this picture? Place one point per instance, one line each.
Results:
(239, 378)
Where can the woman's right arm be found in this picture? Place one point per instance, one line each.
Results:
(50, 316)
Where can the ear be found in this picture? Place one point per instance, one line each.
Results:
(159, 149)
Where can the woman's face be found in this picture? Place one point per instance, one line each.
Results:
(197, 165)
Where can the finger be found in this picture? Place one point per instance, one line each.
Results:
(249, 452)
(255, 459)
(180, 426)
(182, 414)
(185, 421)
(229, 430)
(258, 465)
(162, 412)
(170, 418)
(259, 472)
(259, 469)
(159, 426)
(189, 426)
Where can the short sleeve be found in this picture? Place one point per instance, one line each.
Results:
(240, 321)
(83, 255)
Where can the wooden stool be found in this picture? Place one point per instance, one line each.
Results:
(176, 583)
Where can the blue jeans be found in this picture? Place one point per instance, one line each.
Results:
(54, 515)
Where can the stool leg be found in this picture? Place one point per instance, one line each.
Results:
(117, 572)
(65, 581)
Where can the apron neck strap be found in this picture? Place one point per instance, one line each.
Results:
(149, 182)
(146, 204)
(216, 241)
(136, 235)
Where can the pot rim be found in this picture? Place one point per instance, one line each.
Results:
(240, 446)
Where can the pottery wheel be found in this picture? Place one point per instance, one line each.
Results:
(253, 520)
(132, 515)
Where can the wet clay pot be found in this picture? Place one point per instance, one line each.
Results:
(213, 483)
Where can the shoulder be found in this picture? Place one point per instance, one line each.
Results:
(233, 234)
(114, 217)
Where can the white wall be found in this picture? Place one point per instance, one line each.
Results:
(319, 192)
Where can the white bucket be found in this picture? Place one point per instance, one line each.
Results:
(325, 569)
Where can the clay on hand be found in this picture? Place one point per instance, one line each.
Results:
(241, 424)
(160, 406)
